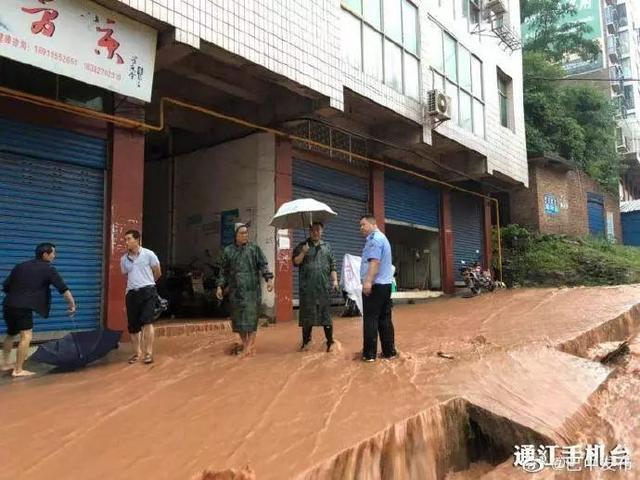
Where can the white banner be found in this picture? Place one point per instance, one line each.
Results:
(350, 279)
(81, 40)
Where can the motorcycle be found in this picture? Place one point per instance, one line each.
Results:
(190, 289)
(475, 278)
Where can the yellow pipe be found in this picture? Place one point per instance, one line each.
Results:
(129, 123)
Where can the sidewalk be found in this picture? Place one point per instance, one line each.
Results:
(288, 414)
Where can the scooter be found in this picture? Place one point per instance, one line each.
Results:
(475, 278)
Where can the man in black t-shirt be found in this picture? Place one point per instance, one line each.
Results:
(27, 291)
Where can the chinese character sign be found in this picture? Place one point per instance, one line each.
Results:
(572, 458)
(81, 40)
(551, 205)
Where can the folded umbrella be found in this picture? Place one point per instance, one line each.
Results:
(301, 213)
(77, 349)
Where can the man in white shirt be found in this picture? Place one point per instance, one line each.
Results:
(142, 268)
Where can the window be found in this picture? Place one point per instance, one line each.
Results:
(629, 101)
(476, 77)
(504, 94)
(353, 5)
(450, 57)
(460, 73)
(393, 19)
(624, 42)
(351, 43)
(471, 12)
(464, 60)
(435, 46)
(373, 53)
(393, 65)
(622, 15)
(381, 38)
(626, 68)
(372, 13)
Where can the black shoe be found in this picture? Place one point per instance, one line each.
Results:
(329, 345)
(368, 360)
(304, 347)
(393, 356)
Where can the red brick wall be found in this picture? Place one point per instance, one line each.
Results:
(523, 204)
(284, 268)
(570, 189)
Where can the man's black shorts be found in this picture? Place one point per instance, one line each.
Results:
(17, 319)
(140, 308)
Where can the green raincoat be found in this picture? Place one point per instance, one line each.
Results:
(241, 269)
(315, 289)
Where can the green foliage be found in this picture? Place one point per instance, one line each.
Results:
(547, 32)
(576, 121)
(531, 259)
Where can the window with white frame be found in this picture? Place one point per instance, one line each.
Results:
(505, 99)
(471, 12)
(624, 42)
(629, 100)
(380, 37)
(459, 74)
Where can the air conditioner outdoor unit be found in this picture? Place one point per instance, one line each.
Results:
(438, 105)
(498, 7)
(612, 50)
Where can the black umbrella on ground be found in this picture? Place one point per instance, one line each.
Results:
(77, 349)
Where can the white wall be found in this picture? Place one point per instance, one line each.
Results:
(300, 40)
(236, 175)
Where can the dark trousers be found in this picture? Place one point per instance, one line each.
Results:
(377, 320)
(306, 333)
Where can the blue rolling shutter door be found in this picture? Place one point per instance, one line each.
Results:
(346, 194)
(52, 190)
(468, 235)
(407, 200)
(631, 228)
(595, 212)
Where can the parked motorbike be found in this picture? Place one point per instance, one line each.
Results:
(190, 290)
(475, 278)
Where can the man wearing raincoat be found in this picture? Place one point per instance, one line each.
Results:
(243, 264)
(317, 270)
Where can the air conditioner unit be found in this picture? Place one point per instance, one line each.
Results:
(438, 105)
(498, 7)
(617, 87)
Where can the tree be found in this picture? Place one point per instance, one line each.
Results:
(571, 119)
(549, 31)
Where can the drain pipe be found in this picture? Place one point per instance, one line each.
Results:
(172, 200)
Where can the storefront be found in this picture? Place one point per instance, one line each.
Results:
(467, 215)
(346, 193)
(52, 188)
(412, 224)
(67, 178)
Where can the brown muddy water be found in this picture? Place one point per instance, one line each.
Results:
(522, 372)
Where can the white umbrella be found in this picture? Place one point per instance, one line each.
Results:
(301, 213)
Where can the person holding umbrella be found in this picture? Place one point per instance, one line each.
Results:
(317, 267)
(243, 263)
(27, 290)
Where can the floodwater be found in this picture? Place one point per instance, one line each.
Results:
(522, 372)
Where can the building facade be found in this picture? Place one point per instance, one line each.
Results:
(563, 200)
(411, 110)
